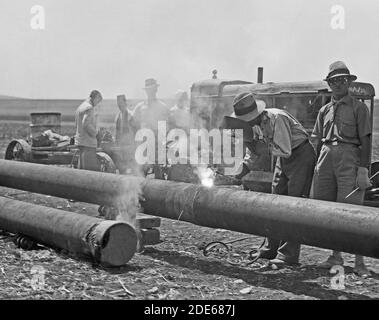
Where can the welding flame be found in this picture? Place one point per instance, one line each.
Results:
(206, 176)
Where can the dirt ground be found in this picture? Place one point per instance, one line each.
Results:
(174, 269)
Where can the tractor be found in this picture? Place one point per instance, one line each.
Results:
(212, 99)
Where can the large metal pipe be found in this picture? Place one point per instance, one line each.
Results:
(337, 226)
(112, 243)
(80, 185)
(330, 225)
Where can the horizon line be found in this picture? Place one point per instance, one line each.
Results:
(6, 97)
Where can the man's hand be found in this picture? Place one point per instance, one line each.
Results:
(244, 172)
(363, 181)
(316, 143)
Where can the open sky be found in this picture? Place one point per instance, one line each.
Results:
(115, 45)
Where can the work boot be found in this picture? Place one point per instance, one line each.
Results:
(268, 250)
(334, 260)
(360, 268)
(261, 255)
(280, 262)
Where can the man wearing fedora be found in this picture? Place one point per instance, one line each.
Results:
(296, 158)
(147, 114)
(342, 134)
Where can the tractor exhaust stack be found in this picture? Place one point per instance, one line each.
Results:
(260, 75)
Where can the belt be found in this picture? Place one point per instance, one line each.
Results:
(301, 144)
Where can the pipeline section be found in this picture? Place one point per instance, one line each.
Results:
(337, 226)
(111, 243)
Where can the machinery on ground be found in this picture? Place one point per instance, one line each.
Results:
(38, 148)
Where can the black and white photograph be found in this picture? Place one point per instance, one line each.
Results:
(210, 152)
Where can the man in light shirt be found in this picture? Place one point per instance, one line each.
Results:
(342, 134)
(86, 131)
(179, 116)
(296, 158)
(146, 115)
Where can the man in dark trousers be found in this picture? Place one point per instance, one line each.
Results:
(122, 120)
(342, 134)
(125, 131)
(289, 142)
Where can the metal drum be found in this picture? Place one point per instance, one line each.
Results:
(43, 121)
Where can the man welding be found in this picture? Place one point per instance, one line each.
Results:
(296, 158)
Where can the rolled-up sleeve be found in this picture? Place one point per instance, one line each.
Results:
(317, 130)
(282, 136)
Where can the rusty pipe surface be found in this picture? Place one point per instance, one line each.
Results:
(111, 243)
(337, 226)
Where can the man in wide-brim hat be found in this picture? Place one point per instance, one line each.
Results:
(342, 134)
(339, 69)
(147, 114)
(151, 83)
(288, 141)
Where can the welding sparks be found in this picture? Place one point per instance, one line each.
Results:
(206, 176)
(207, 182)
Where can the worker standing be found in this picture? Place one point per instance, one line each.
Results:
(122, 120)
(289, 141)
(125, 130)
(147, 114)
(179, 115)
(342, 134)
(86, 131)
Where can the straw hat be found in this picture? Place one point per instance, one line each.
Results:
(339, 69)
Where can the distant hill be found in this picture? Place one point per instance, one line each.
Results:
(20, 109)
(17, 109)
(2, 97)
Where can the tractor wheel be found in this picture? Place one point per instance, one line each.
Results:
(106, 163)
(18, 150)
